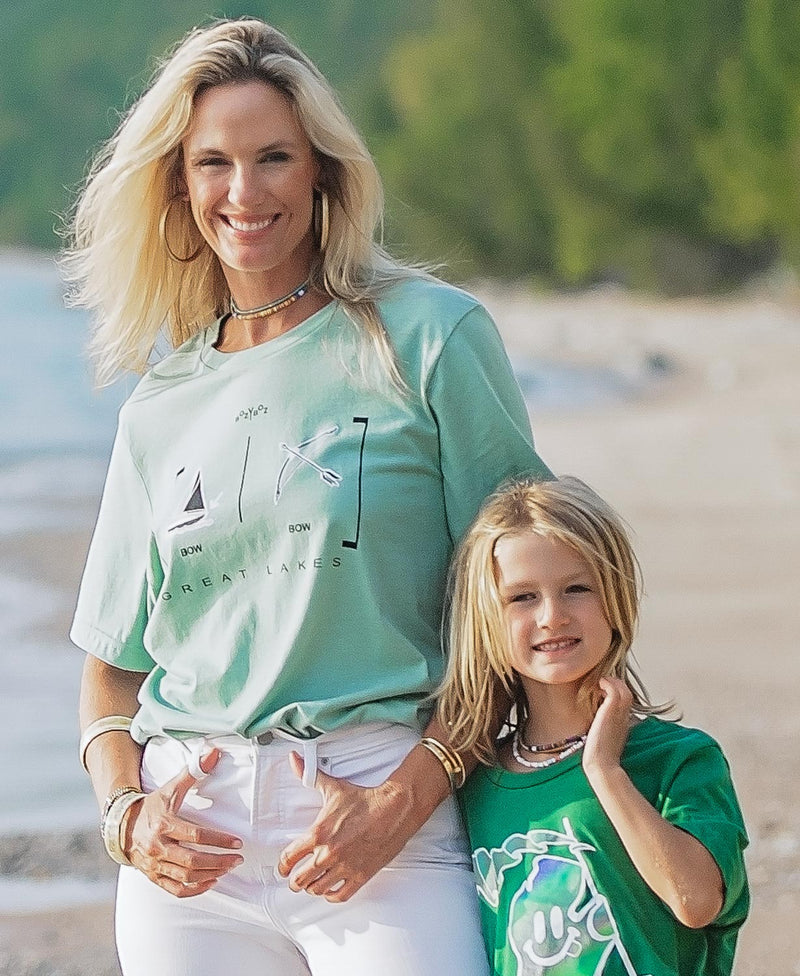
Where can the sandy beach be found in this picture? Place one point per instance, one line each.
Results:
(702, 457)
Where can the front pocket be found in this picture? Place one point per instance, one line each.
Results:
(371, 759)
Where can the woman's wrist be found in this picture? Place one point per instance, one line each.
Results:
(113, 821)
(417, 787)
(451, 761)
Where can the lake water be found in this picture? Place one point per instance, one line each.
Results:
(55, 436)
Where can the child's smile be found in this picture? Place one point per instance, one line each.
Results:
(553, 609)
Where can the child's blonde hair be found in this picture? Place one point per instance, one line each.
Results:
(481, 689)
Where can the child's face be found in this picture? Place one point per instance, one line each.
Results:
(553, 610)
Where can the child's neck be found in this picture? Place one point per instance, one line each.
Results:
(555, 714)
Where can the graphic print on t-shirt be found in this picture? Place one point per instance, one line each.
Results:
(558, 923)
(298, 455)
(194, 511)
(296, 460)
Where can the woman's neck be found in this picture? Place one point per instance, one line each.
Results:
(244, 333)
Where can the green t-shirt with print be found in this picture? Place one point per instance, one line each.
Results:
(559, 894)
(274, 534)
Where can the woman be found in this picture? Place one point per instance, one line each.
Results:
(262, 596)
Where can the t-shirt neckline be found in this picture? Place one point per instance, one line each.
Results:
(215, 359)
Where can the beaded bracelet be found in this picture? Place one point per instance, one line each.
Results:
(109, 723)
(114, 809)
(452, 763)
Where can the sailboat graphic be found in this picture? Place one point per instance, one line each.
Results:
(195, 508)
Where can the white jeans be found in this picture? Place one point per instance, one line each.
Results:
(416, 917)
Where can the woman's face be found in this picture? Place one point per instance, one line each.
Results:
(250, 173)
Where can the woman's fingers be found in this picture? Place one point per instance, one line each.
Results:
(310, 844)
(182, 857)
(356, 832)
(186, 832)
(184, 890)
(326, 887)
(189, 876)
(294, 853)
(190, 857)
(297, 764)
(303, 846)
(185, 864)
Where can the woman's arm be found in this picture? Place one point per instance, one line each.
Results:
(360, 829)
(113, 758)
(153, 837)
(673, 863)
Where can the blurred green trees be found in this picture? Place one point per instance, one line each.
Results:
(656, 144)
(568, 141)
(69, 69)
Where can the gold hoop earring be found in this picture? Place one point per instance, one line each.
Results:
(162, 233)
(321, 219)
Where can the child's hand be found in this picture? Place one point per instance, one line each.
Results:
(608, 732)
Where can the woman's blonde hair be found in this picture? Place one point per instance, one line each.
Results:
(118, 263)
(481, 689)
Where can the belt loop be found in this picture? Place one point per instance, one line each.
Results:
(310, 763)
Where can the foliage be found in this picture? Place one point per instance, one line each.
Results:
(70, 69)
(568, 141)
(577, 140)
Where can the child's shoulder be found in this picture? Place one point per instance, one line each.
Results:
(653, 731)
(659, 744)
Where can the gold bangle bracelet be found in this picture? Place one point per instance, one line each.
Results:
(446, 766)
(112, 798)
(455, 759)
(451, 762)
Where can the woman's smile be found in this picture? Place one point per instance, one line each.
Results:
(249, 226)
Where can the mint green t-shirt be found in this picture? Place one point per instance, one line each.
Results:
(275, 532)
(559, 894)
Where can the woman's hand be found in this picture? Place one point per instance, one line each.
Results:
(360, 829)
(609, 730)
(161, 844)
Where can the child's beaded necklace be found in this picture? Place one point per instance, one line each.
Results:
(566, 747)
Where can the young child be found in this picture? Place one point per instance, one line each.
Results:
(606, 840)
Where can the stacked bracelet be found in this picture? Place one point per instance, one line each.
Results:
(110, 723)
(452, 763)
(114, 809)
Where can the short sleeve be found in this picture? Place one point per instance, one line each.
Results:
(701, 800)
(112, 609)
(484, 431)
